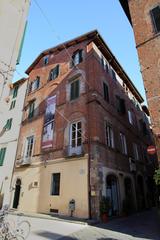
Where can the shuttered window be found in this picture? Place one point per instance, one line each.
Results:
(15, 91)
(31, 110)
(2, 155)
(8, 124)
(155, 13)
(13, 103)
(54, 73)
(77, 58)
(74, 90)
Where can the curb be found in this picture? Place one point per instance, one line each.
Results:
(50, 217)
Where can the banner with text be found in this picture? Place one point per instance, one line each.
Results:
(48, 128)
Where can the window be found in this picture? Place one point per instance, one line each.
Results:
(15, 91)
(34, 85)
(55, 185)
(54, 73)
(105, 92)
(123, 143)
(31, 110)
(77, 58)
(113, 74)
(29, 147)
(104, 64)
(155, 14)
(135, 151)
(46, 60)
(12, 104)
(109, 136)
(8, 124)
(76, 134)
(2, 155)
(74, 89)
(120, 104)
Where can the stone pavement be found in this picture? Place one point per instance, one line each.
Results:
(142, 226)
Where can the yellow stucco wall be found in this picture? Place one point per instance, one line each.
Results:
(73, 185)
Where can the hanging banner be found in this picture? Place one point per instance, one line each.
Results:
(48, 128)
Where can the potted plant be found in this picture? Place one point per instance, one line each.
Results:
(104, 208)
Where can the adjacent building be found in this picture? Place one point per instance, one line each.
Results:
(10, 123)
(144, 17)
(83, 135)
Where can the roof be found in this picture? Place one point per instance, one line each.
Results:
(98, 40)
(20, 81)
(124, 4)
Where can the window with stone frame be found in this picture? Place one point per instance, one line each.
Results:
(123, 143)
(109, 135)
(155, 15)
(54, 73)
(74, 89)
(77, 58)
(55, 184)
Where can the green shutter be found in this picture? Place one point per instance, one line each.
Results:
(21, 45)
(15, 91)
(12, 104)
(2, 155)
(31, 110)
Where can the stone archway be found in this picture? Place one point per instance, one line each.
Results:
(112, 191)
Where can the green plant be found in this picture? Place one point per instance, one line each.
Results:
(156, 176)
(105, 205)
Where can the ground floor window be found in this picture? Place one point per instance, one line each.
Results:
(55, 185)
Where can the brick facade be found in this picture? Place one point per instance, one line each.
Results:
(98, 159)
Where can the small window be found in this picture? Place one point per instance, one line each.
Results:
(55, 185)
(54, 73)
(109, 136)
(31, 110)
(35, 84)
(13, 103)
(29, 147)
(155, 13)
(104, 64)
(74, 89)
(77, 58)
(8, 124)
(105, 92)
(120, 104)
(46, 60)
(2, 155)
(113, 74)
(135, 151)
(15, 91)
(123, 143)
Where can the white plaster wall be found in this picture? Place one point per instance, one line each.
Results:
(10, 139)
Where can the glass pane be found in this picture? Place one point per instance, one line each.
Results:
(79, 141)
(73, 142)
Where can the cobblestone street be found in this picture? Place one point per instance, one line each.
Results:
(142, 226)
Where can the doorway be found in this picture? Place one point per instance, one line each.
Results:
(17, 193)
(112, 193)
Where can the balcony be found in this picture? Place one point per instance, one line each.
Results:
(132, 164)
(70, 151)
(25, 161)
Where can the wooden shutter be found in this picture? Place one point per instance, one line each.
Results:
(15, 91)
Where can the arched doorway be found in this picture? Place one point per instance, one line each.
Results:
(17, 193)
(112, 192)
(128, 202)
(140, 193)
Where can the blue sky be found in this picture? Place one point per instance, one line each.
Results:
(70, 19)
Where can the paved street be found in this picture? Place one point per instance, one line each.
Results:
(143, 226)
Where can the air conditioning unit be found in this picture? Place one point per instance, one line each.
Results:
(35, 184)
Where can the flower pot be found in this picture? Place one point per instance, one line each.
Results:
(104, 217)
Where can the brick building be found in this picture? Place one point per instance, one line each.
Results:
(83, 135)
(144, 17)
